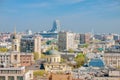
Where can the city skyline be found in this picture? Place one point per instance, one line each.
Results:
(74, 15)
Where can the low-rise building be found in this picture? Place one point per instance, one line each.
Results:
(112, 75)
(15, 73)
(26, 59)
(112, 59)
(60, 77)
(16, 59)
(53, 62)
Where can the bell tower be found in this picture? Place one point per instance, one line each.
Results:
(15, 42)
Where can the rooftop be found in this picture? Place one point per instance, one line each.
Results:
(52, 52)
(13, 68)
(96, 62)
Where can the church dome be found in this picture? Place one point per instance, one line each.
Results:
(96, 63)
(52, 52)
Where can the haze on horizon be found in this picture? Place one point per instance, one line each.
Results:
(76, 15)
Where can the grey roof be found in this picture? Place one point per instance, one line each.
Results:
(52, 52)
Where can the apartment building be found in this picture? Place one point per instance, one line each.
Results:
(15, 73)
(112, 59)
(66, 41)
(30, 44)
(16, 59)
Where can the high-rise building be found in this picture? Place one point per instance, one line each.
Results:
(53, 32)
(30, 44)
(65, 41)
(56, 26)
(85, 38)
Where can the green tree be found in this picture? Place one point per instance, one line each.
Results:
(71, 51)
(56, 48)
(36, 55)
(3, 49)
(80, 60)
(63, 60)
(53, 47)
(85, 45)
(43, 56)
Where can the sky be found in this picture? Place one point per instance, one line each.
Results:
(102, 16)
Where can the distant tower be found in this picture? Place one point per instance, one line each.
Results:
(15, 42)
(56, 26)
(29, 32)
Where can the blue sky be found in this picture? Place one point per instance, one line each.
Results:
(75, 15)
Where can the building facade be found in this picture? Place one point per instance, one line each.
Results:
(15, 73)
(66, 41)
(26, 59)
(53, 62)
(30, 44)
(16, 59)
(15, 42)
(85, 38)
(112, 59)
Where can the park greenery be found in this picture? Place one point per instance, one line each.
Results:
(85, 46)
(80, 60)
(39, 73)
(3, 49)
(71, 51)
(63, 60)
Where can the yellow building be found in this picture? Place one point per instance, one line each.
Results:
(53, 62)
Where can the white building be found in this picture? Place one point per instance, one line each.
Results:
(66, 41)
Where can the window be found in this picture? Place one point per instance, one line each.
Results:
(15, 47)
(19, 77)
(2, 77)
(15, 57)
(11, 78)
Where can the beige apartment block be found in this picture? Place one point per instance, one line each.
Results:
(15, 73)
(112, 59)
(16, 59)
